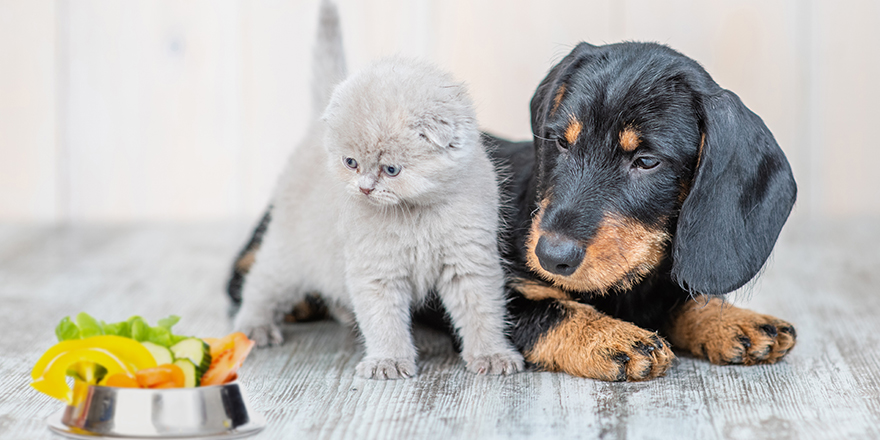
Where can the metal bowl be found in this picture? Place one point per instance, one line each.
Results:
(211, 411)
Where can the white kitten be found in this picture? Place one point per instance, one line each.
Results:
(390, 197)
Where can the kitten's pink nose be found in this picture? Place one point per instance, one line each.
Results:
(366, 191)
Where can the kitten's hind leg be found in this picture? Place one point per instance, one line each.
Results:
(267, 295)
(476, 305)
(383, 314)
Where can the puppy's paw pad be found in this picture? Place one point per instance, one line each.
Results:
(386, 368)
(507, 362)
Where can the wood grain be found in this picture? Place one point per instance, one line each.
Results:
(823, 279)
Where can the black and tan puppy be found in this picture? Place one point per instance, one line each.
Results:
(649, 191)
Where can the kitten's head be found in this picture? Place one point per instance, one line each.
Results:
(400, 131)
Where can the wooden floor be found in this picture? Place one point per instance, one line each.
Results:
(824, 279)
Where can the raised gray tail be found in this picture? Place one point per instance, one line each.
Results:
(328, 57)
(328, 69)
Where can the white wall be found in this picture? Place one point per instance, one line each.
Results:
(185, 109)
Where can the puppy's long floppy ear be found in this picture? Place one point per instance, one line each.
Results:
(741, 196)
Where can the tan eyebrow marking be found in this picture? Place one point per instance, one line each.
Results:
(629, 139)
(573, 130)
(557, 99)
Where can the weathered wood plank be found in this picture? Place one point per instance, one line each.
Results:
(823, 279)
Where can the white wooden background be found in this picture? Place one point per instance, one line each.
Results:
(185, 109)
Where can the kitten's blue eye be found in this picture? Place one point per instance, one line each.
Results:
(350, 162)
(391, 170)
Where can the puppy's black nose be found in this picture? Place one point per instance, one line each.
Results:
(559, 255)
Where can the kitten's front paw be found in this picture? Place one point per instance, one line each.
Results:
(507, 362)
(263, 335)
(384, 368)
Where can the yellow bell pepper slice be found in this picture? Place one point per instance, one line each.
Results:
(134, 355)
(52, 382)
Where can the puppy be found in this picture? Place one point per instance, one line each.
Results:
(647, 194)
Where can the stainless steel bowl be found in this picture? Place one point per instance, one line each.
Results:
(212, 411)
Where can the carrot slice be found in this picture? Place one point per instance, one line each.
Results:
(121, 380)
(225, 343)
(166, 373)
(227, 355)
(211, 341)
(177, 376)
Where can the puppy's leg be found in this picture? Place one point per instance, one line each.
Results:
(575, 338)
(725, 334)
(476, 305)
(383, 313)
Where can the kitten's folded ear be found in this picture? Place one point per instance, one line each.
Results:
(437, 129)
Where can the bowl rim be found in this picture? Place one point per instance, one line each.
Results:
(207, 387)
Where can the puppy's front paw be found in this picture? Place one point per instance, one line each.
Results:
(588, 343)
(725, 334)
(507, 362)
(386, 368)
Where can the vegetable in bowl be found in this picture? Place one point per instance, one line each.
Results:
(134, 354)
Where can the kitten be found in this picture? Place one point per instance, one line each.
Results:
(390, 197)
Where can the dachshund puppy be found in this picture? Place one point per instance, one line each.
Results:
(647, 194)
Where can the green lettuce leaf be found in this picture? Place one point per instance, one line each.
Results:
(66, 330)
(84, 326)
(169, 321)
(88, 326)
(122, 328)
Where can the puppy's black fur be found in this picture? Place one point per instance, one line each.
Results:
(640, 134)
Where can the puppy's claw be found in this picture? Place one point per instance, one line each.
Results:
(591, 344)
(725, 334)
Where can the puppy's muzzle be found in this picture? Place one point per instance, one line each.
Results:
(559, 255)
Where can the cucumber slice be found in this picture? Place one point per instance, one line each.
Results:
(161, 354)
(194, 349)
(191, 375)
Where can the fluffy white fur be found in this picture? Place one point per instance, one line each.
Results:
(390, 196)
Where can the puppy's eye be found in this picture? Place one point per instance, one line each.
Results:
(561, 144)
(391, 170)
(350, 162)
(646, 162)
